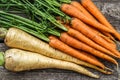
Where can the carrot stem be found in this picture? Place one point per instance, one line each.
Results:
(50, 6)
(40, 27)
(30, 31)
(4, 5)
(65, 1)
(1, 59)
(44, 15)
(25, 20)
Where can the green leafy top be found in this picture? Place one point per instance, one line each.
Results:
(2, 61)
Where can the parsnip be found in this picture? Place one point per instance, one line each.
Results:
(19, 39)
(19, 60)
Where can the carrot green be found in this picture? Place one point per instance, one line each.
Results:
(1, 59)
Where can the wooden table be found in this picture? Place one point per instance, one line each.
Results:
(111, 9)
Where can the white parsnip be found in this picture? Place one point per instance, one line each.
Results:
(19, 60)
(19, 39)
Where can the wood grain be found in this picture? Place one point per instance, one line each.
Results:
(111, 9)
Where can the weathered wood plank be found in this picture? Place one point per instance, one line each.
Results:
(3, 47)
(111, 9)
(1, 40)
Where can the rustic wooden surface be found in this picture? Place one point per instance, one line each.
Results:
(111, 9)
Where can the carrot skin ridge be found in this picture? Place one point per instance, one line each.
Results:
(107, 38)
(103, 36)
(108, 35)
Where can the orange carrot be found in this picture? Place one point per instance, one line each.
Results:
(113, 45)
(92, 8)
(81, 46)
(76, 34)
(108, 35)
(103, 34)
(83, 28)
(72, 11)
(89, 55)
(82, 9)
(57, 44)
(106, 38)
(111, 42)
(93, 30)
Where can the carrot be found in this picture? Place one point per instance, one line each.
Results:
(88, 54)
(20, 39)
(79, 45)
(104, 35)
(80, 26)
(92, 8)
(17, 60)
(82, 9)
(109, 38)
(111, 42)
(72, 11)
(76, 34)
(113, 45)
(93, 29)
(108, 35)
(57, 44)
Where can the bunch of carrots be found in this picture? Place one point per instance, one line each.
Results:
(78, 30)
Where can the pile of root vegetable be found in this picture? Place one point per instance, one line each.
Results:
(61, 34)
